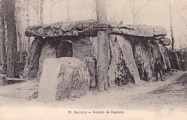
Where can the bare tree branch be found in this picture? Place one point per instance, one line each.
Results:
(184, 7)
(112, 18)
(56, 2)
(108, 3)
(131, 5)
(93, 12)
(185, 21)
(143, 7)
(35, 8)
(93, 6)
(184, 34)
(132, 10)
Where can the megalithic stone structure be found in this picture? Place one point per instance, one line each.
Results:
(62, 78)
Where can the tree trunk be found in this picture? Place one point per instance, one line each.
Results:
(2, 38)
(102, 47)
(68, 7)
(27, 20)
(20, 42)
(172, 38)
(12, 70)
(41, 12)
(20, 15)
(171, 27)
(51, 11)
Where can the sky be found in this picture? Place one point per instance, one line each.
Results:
(155, 13)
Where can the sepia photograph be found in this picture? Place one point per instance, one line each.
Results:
(93, 59)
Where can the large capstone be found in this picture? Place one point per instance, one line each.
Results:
(62, 78)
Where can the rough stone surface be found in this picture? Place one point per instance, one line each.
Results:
(62, 78)
(82, 48)
(174, 60)
(143, 58)
(54, 49)
(32, 63)
(91, 64)
(73, 28)
(63, 48)
(48, 51)
(166, 61)
(165, 41)
(146, 53)
(185, 61)
(140, 30)
(2, 80)
(122, 65)
(87, 27)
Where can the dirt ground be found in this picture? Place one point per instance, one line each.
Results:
(170, 94)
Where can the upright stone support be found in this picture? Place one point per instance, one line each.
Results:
(62, 78)
(32, 63)
(91, 64)
(48, 51)
(122, 64)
